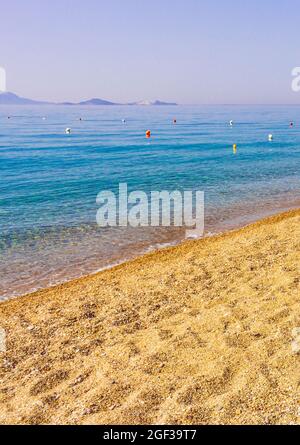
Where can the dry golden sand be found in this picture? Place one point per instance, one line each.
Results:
(200, 333)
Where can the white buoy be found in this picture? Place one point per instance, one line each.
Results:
(68, 130)
(231, 122)
(270, 137)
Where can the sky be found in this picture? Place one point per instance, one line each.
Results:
(187, 51)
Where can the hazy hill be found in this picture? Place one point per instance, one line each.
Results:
(8, 98)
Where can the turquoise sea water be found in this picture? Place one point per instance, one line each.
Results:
(49, 180)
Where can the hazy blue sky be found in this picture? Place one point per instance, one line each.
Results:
(190, 51)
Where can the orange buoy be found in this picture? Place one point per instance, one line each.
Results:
(148, 134)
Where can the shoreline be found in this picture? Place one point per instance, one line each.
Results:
(199, 333)
(232, 226)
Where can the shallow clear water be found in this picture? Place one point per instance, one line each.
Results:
(49, 180)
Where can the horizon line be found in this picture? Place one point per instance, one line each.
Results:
(132, 103)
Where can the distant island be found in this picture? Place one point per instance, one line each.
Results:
(149, 102)
(8, 98)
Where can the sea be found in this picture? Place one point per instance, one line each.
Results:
(49, 180)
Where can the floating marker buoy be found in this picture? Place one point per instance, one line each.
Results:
(148, 134)
(174, 121)
(124, 121)
(291, 124)
(68, 130)
(270, 137)
(231, 123)
(234, 147)
(43, 118)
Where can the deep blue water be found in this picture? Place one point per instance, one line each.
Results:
(49, 180)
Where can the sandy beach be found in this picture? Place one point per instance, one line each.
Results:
(200, 333)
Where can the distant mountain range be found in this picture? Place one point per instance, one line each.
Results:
(13, 99)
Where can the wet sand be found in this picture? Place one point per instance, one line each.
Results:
(204, 332)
